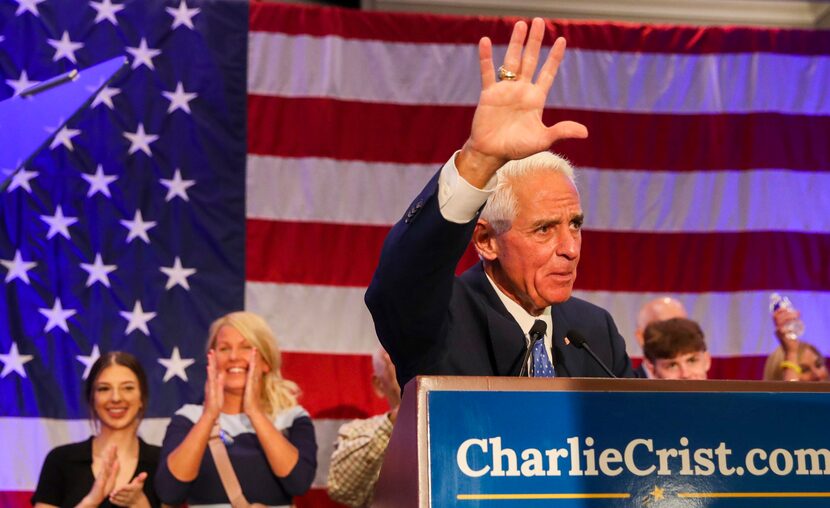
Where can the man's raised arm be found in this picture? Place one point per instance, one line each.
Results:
(410, 294)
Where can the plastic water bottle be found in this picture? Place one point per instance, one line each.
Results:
(792, 329)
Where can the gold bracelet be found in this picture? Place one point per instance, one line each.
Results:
(786, 364)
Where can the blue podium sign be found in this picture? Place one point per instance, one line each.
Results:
(624, 449)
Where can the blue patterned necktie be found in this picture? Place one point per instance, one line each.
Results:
(541, 363)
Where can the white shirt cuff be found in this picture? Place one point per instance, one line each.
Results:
(458, 200)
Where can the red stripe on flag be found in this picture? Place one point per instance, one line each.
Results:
(693, 262)
(687, 142)
(312, 252)
(14, 499)
(317, 253)
(315, 498)
(347, 255)
(314, 127)
(749, 368)
(595, 35)
(334, 385)
(738, 367)
(351, 130)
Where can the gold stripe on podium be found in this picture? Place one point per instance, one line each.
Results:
(493, 497)
(751, 494)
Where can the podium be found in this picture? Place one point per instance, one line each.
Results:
(569, 442)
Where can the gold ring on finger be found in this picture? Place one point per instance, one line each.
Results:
(506, 75)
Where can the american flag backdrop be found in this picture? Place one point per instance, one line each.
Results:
(256, 155)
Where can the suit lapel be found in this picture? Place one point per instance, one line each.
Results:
(506, 337)
(567, 358)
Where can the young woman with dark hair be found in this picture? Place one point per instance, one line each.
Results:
(114, 467)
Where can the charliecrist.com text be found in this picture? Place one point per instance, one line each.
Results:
(639, 457)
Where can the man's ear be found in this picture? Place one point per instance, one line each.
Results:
(638, 334)
(484, 241)
(707, 360)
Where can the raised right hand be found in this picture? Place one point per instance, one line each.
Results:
(507, 124)
(780, 319)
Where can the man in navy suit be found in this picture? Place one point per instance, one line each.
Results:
(528, 237)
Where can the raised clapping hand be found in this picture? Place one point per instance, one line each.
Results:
(131, 494)
(214, 388)
(105, 481)
(507, 124)
(253, 389)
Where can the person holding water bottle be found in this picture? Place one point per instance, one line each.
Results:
(794, 359)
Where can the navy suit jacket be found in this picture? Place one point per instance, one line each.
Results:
(434, 323)
(640, 372)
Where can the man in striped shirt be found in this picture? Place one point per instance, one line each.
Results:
(361, 444)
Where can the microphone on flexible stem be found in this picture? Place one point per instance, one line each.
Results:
(537, 331)
(579, 340)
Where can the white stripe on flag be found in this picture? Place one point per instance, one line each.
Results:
(348, 326)
(353, 192)
(631, 81)
(706, 201)
(345, 327)
(333, 191)
(734, 324)
(33, 438)
(28, 440)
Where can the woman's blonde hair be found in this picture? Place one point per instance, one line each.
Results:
(277, 393)
(773, 370)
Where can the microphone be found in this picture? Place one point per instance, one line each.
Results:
(536, 333)
(579, 340)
